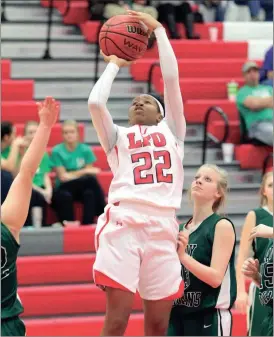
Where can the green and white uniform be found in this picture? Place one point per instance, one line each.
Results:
(11, 306)
(203, 310)
(257, 312)
(266, 290)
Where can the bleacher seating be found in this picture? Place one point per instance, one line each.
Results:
(17, 90)
(63, 283)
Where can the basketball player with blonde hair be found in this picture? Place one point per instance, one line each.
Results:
(136, 237)
(13, 215)
(206, 248)
(262, 215)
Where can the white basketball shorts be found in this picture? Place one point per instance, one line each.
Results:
(136, 250)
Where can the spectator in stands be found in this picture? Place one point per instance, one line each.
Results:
(42, 186)
(267, 68)
(10, 149)
(119, 7)
(172, 12)
(212, 10)
(255, 104)
(267, 6)
(76, 178)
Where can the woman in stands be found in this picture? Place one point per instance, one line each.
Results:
(260, 215)
(207, 251)
(136, 237)
(42, 186)
(262, 275)
(13, 215)
(76, 178)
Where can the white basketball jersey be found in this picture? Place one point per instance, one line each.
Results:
(147, 166)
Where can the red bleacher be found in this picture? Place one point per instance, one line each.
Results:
(5, 69)
(17, 90)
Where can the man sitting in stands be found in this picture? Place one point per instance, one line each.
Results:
(255, 103)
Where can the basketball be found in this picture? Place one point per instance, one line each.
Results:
(124, 36)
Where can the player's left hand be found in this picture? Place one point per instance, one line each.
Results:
(48, 111)
(182, 242)
(261, 231)
(147, 19)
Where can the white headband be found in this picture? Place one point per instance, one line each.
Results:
(159, 104)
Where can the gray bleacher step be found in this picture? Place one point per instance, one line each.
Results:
(238, 202)
(77, 50)
(49, 241)
(69, 70)
(29, 13)
(24, 3)
(81, 89)
(238, 179)
(31, 31)
(79, 109)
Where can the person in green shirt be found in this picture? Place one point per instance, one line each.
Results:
(10, 149)
(206, 248)
(261, 215)
(13, 214)
(75, 178)
(42, 186)
(255, 104)
(262, 276)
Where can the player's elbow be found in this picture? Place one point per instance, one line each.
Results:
(94, 106)
(216, 282)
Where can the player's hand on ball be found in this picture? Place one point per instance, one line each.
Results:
(147, 19)
(261, 231)
(114, 59)
(48, 111)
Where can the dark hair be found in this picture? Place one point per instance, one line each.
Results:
(6, 129)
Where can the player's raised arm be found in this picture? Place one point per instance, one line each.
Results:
(101, 118)
(14, 210)
(174, 108)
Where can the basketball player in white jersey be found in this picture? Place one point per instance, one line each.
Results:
(136, 237)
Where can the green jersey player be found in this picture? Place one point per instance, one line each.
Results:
(262, 275)
(206, 250)
(13, 215)
(262, 215)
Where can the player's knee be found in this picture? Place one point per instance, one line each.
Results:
(116, 326)
(157, 327)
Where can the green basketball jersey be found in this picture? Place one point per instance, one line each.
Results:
(198, 295)
(266, 270)
(259, 245)
(10, 303)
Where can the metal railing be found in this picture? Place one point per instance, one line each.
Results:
(3, 13)
(150, 75)
(206, 121)
(97, 53)
(265, 163)
(47, 55)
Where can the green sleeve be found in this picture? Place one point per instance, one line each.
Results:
(241, 96)
(56, 159)
(46, 163)
(90, 157)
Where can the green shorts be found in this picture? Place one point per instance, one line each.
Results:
(213, 322)
(257, 312)
(13, 327)
(267, 324)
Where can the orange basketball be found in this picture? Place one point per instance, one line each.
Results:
(124, 36)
